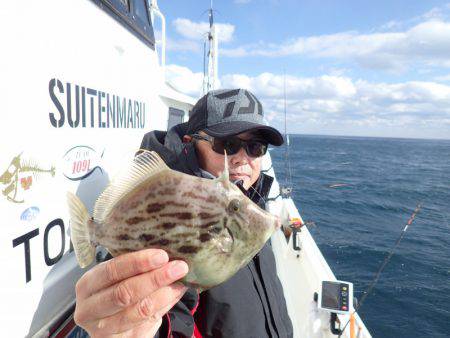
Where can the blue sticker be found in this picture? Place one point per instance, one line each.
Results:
(30, 214)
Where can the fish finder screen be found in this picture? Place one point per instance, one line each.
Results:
(330, 295)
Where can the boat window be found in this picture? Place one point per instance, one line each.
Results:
(133, 15)
(176, 116)
(140, 9)
(126, 4)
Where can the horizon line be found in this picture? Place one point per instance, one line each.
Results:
(369, 136)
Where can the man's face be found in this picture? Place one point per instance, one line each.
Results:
(240, 165)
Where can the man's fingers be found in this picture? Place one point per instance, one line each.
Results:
(149, 309)
(130, 291)
(118, 269)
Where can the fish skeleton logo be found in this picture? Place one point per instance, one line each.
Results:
(10, 177)
(80, 162)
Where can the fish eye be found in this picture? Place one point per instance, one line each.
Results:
(234, 206)
(216, 230)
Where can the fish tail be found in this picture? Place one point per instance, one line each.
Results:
(79, 231)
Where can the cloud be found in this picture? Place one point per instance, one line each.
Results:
(337, 104)
(443, 78)
(271, 85)
(330, 101)
(179, 45)
(332, 97)
(185, 80)
(427, 42)
(197, 30)
(390, 25)
(439, 12)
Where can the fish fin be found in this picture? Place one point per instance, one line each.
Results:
(225, 175)
(79, 231)
(143, 166)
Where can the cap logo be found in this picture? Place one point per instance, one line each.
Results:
(250, 109)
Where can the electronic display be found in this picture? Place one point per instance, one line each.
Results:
(336, 296)
(330, 295)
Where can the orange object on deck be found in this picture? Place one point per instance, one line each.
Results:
(352, 325)
(295, 222)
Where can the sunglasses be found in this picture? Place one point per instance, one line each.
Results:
(232, 145)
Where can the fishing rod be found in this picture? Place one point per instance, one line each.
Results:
(385, 262)
(286, 190)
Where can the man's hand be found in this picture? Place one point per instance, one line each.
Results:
(128, 295)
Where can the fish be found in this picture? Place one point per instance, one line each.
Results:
(208, 223)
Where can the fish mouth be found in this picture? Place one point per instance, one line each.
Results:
(230, 233)
(224, 247)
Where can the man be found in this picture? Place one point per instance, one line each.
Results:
(131, 295)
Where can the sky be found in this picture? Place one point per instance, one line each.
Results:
(359, 68)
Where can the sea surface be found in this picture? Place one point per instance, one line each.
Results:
(360, 192)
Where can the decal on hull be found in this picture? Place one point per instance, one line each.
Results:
(10, 177)
(80, 162)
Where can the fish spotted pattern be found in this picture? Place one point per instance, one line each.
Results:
(210, 224)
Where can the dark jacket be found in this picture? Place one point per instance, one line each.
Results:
(251, 303)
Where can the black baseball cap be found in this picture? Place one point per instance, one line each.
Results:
(228, 112)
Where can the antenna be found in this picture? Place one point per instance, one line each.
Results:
(210, 55)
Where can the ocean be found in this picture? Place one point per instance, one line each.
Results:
(360, 192)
